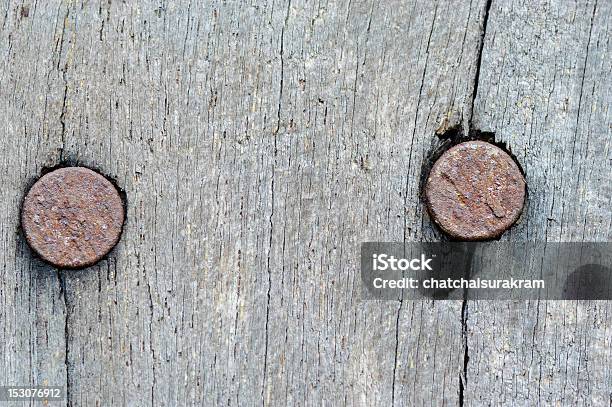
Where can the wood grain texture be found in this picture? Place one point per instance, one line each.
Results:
(544, 89)
(258, 145)
(253, 142)
(32, 308)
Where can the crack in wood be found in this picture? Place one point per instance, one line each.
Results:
(464, 306)
(63, 294)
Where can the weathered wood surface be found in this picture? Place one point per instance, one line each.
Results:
(544, 88)
(259, 145)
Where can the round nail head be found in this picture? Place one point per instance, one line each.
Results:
(72, 217)
(475, 191)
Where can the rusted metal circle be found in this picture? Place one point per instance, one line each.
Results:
(72, 217)
(475, 191)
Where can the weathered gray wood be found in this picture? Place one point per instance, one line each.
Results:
(253, 142)
(544, 88)
(32, 308)
(259, 145)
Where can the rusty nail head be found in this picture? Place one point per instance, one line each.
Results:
(72, 217)
(475, 191)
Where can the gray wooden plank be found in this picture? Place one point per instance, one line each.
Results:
(544, 89)
(259, 144)
(32, 308)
